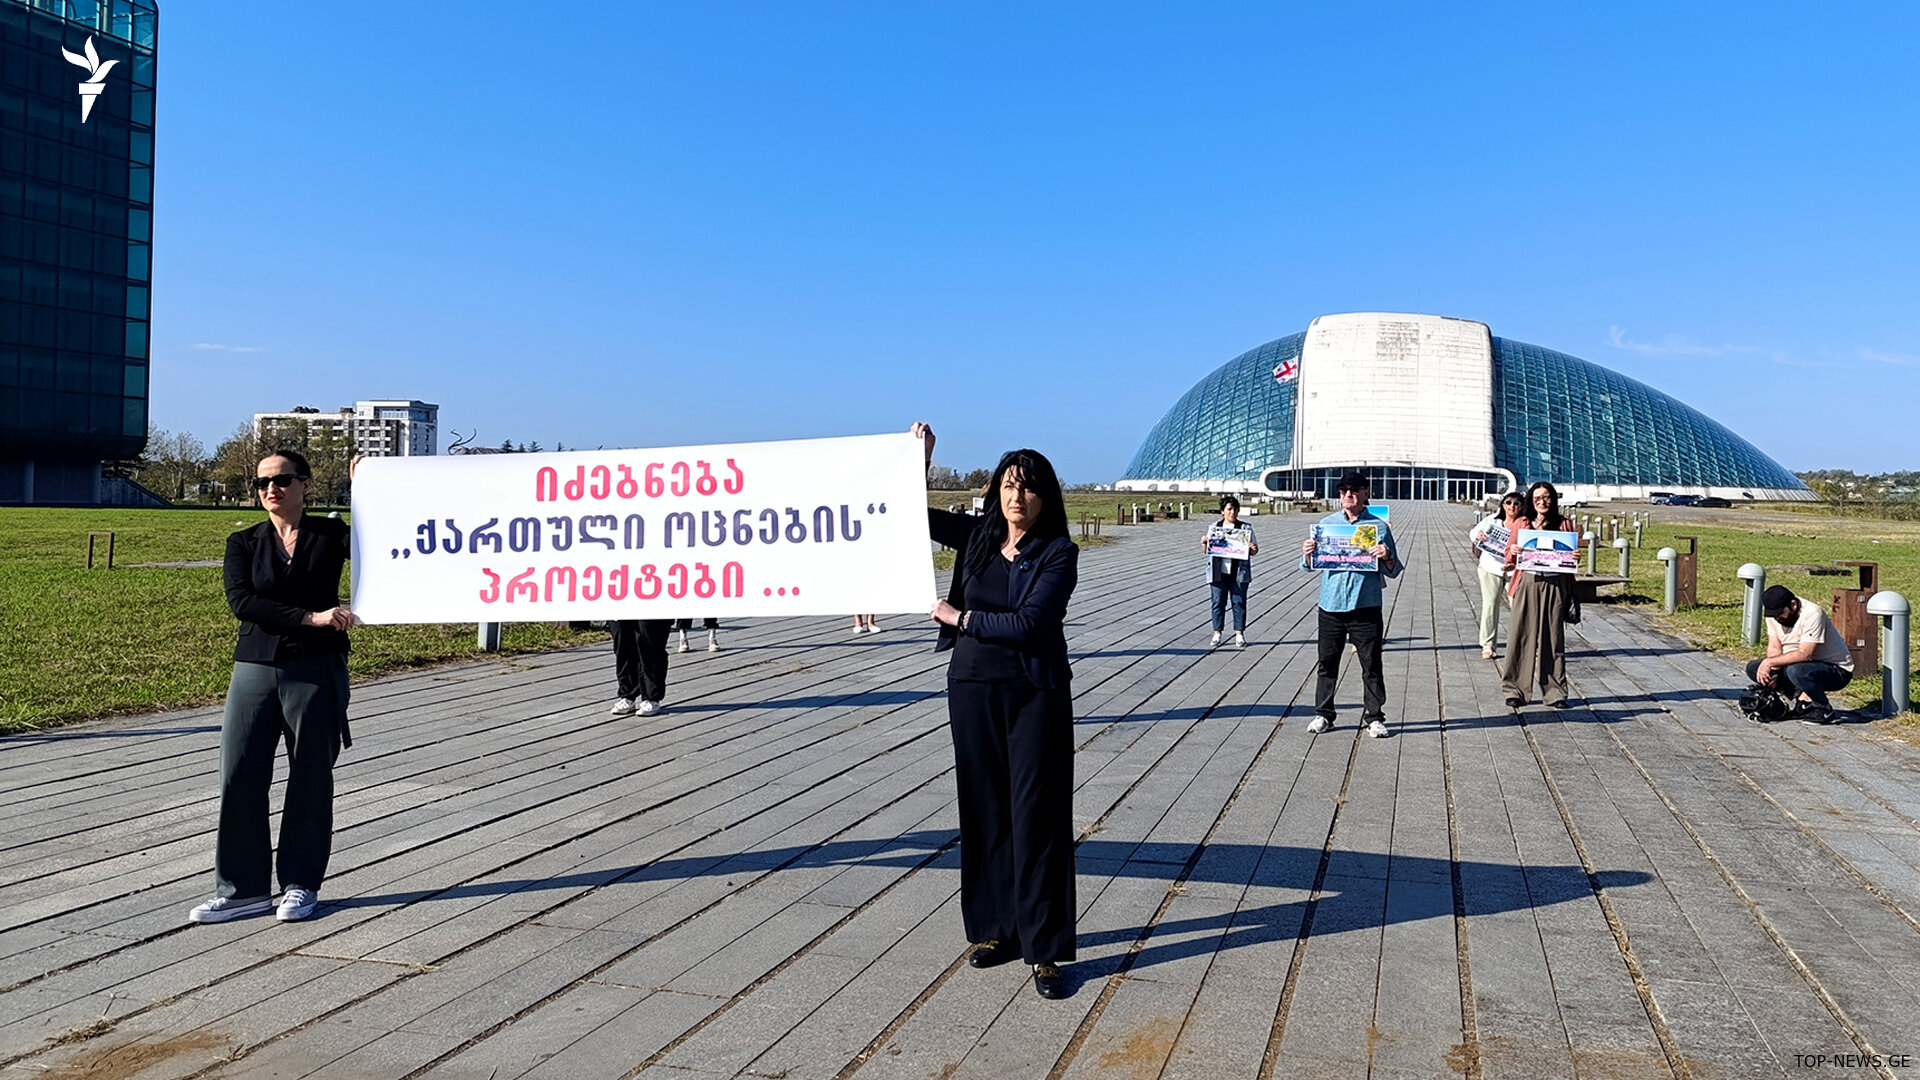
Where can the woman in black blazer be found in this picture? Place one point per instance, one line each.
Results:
(1010, 708)
(289, 676)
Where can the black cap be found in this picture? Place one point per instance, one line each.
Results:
(1776, 599)
(1356, 481)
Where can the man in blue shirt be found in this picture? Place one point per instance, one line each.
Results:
(1350, 610)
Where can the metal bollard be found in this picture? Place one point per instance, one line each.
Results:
(1755, 576)
(1893, 610)
(1593, 553)
(1672, 559)
(489, 637)
(1626, 556)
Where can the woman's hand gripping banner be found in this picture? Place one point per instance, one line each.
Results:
(809, 527)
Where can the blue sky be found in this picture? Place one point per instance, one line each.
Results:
(647, 224)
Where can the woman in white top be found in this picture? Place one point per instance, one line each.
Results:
(1493, 575)
(1228, 578)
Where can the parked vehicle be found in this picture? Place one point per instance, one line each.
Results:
(1684, 500)
(1715, 502)
(1660, 498)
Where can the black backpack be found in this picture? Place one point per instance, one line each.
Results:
(1764, 706)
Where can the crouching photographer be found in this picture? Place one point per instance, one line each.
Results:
(1806, 659)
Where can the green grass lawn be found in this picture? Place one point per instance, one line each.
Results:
(1715, 622)
(77, 643)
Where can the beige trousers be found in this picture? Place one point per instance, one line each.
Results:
(1493, 597)
(1537, 638)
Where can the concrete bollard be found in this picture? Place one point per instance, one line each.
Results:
(1893, 610)
(1638, 525)
(489, 637)
(1672, 559)
(1593, 553)
(1626, 556)
(1755, 576)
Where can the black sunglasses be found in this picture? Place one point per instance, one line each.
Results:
(279, 480)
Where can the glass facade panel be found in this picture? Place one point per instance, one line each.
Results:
(1555, 417)
(74, 226)
(1234, 425)
(1562, 419)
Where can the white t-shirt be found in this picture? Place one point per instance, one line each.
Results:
(1812, 626)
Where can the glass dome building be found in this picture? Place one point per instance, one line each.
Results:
(1438, 408)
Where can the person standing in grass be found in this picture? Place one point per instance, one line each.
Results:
(289, 679)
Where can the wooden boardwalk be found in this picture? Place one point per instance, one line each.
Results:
(761, 881)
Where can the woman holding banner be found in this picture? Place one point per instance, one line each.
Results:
(1537, 633)
(1010, 708)
(1229, 575)
(289, 675)
(1490, 543)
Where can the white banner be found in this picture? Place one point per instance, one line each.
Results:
(812, 527)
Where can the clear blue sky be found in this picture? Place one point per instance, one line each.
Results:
(640, 223)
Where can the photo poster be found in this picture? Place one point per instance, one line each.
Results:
(1545, 551)
(1495, 543)
(1345, 547)
(1379, 510)
(809, 527)
(1228, 543)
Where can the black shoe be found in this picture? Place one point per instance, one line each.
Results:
(1048, 982)
(1809, 713)
(1514, 701)
(990, 954)
(1561, 704)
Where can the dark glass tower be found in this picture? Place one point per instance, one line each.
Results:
(76, 229)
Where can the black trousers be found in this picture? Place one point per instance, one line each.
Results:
(305, 700)
(1364, 627)
(1813, 678)
(1013, 757)
(640, 657)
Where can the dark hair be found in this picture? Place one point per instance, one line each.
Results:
(991, 535)
(1553, 519)
(1776, 600)
(1228, 500)
(299, 460)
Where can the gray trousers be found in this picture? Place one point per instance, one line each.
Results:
(306, 700)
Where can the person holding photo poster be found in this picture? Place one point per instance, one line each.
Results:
(1230, 548)
(1010, 710)
(1353, 550)
(1490, 544)
(1537, 632)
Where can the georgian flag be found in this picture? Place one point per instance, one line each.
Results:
(1286, 371)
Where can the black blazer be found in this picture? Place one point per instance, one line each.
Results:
(270, 601)
(1039, 584)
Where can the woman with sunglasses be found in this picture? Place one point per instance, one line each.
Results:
(1010, 711)
(1512, 515)
(289, 677)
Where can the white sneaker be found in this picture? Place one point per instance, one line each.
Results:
(621, 707)
(873, 628)
(1216, 638)
(222, 908)
(297, 904)
(1319, 724)
(859, 629)
(682, 647)
(713, 641)
(648, 708)
(1377, 729)
(1239, 640)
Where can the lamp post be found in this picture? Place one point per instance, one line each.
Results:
(1672, 559)
(1893, 610)
(1626, 556)
(1755, 576)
